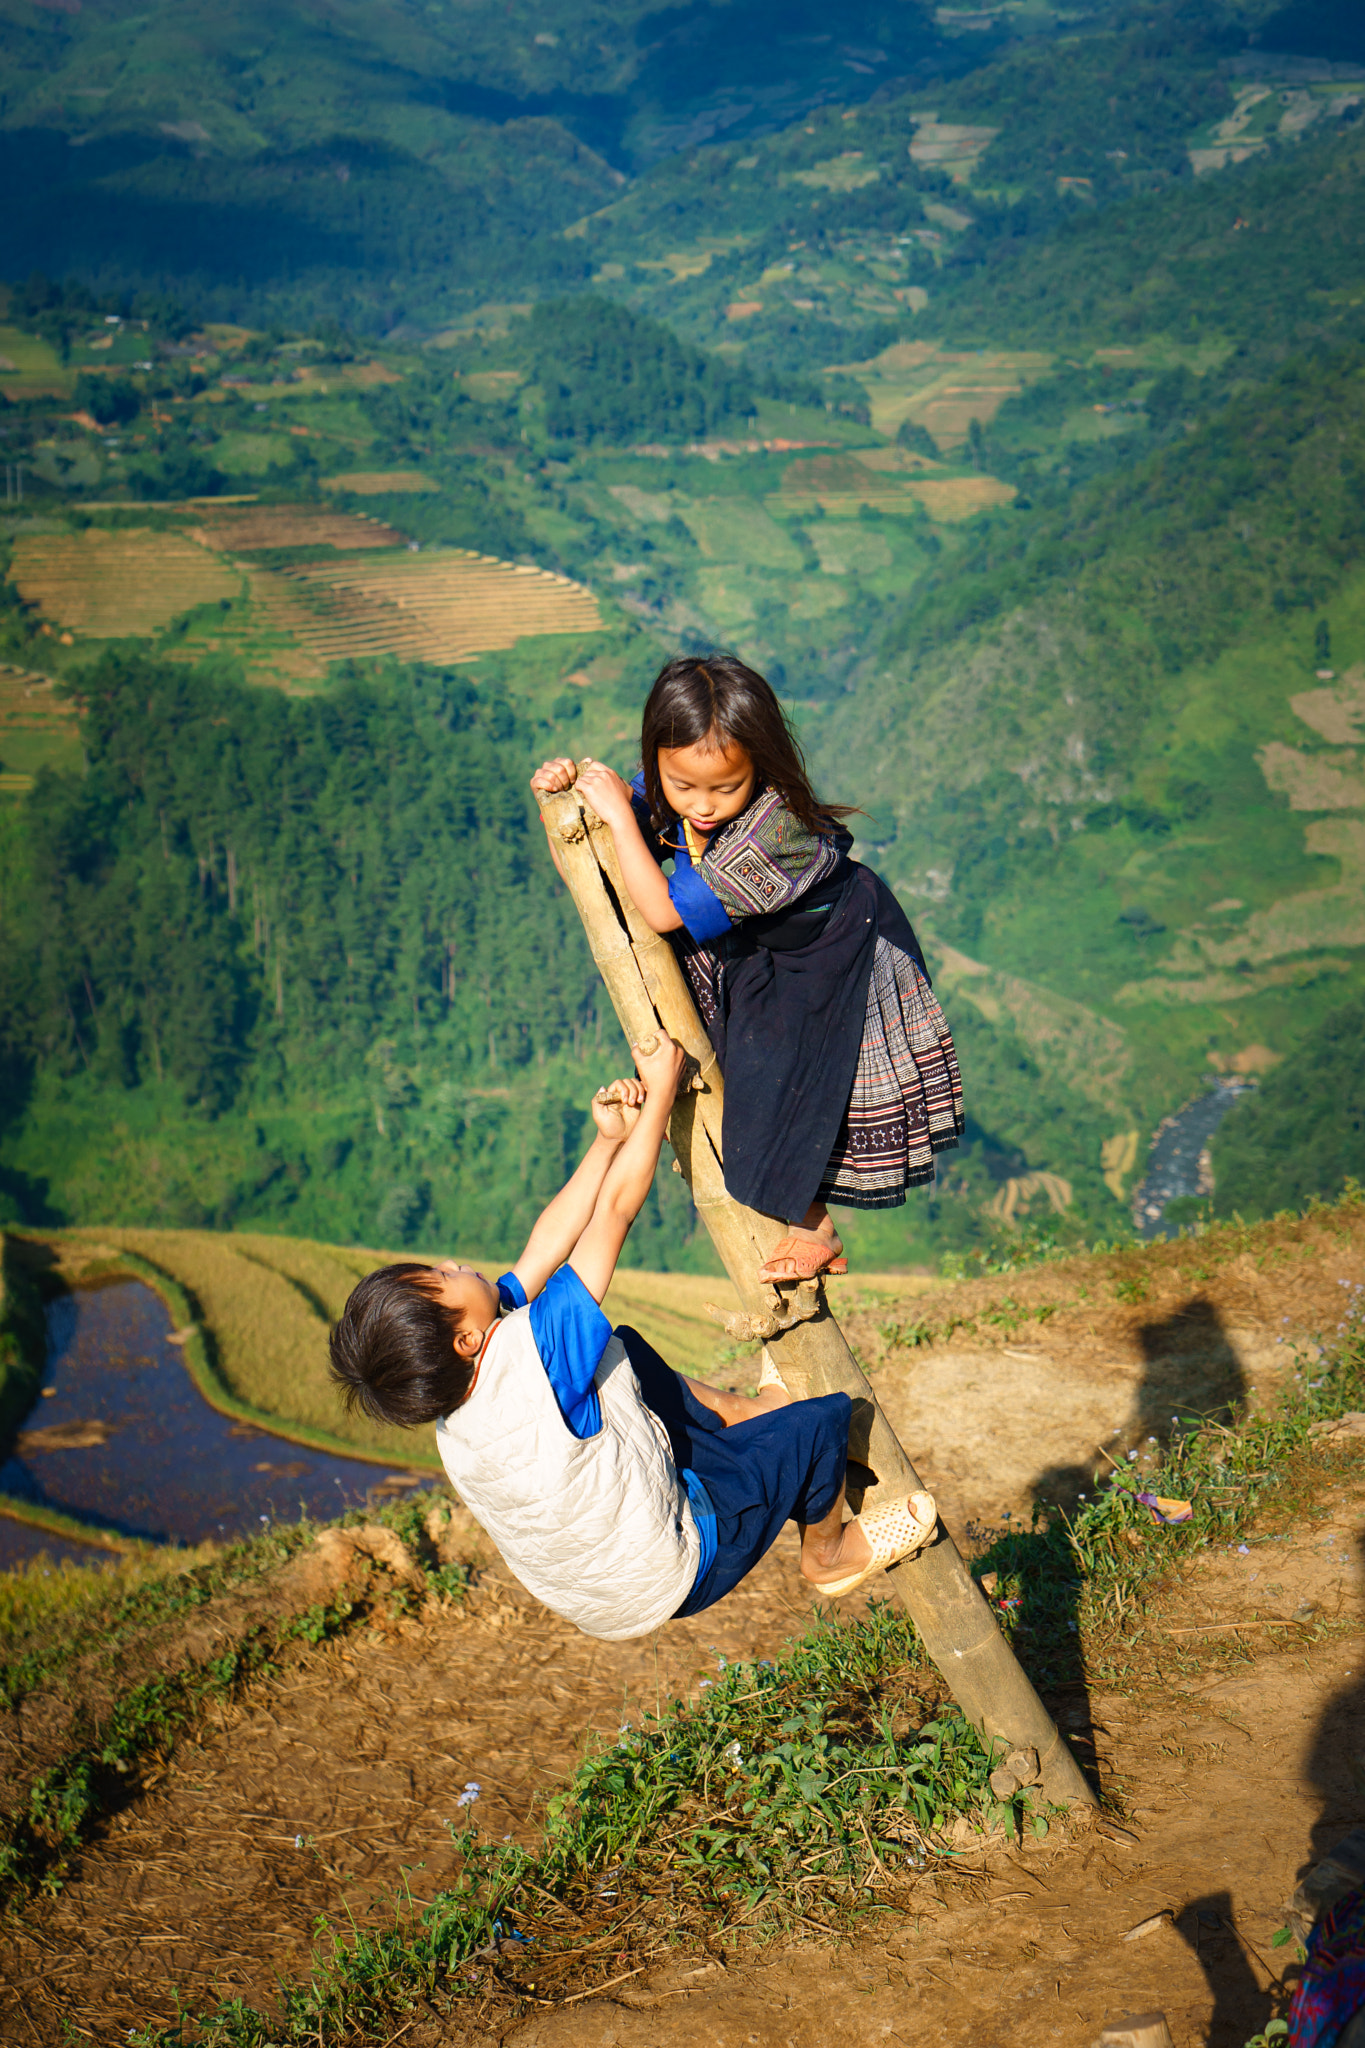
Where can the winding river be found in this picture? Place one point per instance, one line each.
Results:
(122, 1439)
(1174, 1164)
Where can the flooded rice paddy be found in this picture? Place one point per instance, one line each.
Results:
(122, 1440)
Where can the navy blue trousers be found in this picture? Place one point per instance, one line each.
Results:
(784, 1467)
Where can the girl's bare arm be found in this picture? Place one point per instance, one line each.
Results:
(645, 879)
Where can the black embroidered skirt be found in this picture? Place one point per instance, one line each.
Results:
(906, 1103)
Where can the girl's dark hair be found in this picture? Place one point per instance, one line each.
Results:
(718, 699)
(392, 1352)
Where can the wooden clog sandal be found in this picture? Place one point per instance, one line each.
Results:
(808, 1257)
(900, 1529)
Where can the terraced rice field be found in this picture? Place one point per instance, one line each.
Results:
(291, 526)
(104, 585)
(959, 497)
(373, 483)
(439, 606)
(38, 729)
(949, 147)
(943, 390)
(842, 484)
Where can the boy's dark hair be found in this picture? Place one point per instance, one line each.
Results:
(392, 1351)
(720, 699)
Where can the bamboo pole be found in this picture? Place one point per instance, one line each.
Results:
(649, 992)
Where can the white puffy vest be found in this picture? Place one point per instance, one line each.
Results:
(601, 1528)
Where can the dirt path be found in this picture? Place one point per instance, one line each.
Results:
(1233, 1786)
(318, 1794)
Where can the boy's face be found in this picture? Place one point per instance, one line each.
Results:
(470, 1298)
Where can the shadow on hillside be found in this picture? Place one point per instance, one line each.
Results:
(1190, 1367)
(1335, 1765)
(1240, 2008)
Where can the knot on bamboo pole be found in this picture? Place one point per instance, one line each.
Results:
(788, 1310)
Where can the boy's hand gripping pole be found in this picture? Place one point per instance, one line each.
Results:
(649, 992)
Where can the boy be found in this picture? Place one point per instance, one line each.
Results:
(618, 1492)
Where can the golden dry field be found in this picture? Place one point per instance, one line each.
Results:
(287, 620)
(236, 532)
(444, 605)
(104, 585)
(960, 497)
(372, 483)
(265, 1305)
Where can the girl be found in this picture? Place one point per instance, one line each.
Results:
(841, 1081)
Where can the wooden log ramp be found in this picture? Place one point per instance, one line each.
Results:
(954, 1621)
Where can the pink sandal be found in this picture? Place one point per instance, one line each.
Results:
(808, 1257)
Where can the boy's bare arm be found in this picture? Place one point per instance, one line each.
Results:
(630, 1174)
(562, 1222)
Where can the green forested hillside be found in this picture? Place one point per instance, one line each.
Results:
(296, 961)
(1002, 398)
(1092, 735)
(382, 166)
(1303, 1133)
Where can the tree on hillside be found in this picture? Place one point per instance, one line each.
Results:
(1303, 1132)
(608, 374)
(341, 900)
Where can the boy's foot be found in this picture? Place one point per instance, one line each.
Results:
(876, 1539)
(772, 1388)
(804, 1253)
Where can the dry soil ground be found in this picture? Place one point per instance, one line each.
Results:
(1231, 1750)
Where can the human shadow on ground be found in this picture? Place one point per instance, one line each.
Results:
(1240, 2007)
(1190, 1368)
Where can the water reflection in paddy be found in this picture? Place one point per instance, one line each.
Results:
(144, 1453)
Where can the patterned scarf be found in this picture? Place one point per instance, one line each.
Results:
(765, 858)
(1332, 1989)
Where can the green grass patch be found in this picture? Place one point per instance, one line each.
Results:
(1073, 1591)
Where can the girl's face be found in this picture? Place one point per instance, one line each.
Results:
(707, 785)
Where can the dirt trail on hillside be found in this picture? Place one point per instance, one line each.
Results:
(317, 1792)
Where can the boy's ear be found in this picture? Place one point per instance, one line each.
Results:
(467, 1340)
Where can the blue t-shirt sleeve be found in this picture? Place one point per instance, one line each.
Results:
(571, 1333)
(696, 903)
(511, 1293)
